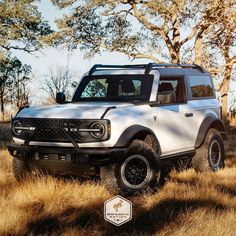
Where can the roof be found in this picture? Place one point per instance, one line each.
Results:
(175, 69)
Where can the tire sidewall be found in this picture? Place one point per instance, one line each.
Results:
(139, 148)
(200, 160)
(216, 137)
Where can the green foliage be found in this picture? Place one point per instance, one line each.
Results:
(21, 26)
(139, 29)
(159, 30)
(89, 28)
(14, 77)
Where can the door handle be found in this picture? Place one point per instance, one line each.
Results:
(188, 114)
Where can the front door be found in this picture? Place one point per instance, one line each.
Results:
(174, 121)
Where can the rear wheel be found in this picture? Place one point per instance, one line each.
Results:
(210, 156)
(137, 171)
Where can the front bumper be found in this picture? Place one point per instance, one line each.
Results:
(65, 160)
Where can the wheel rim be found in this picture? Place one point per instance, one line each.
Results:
(215, 154)
(135, 171)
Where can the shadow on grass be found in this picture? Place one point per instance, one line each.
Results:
(160, 215)
(226, 190)
(71, 217)
(144, 221)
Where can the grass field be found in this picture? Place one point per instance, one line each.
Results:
(5, 134)
(189, 204)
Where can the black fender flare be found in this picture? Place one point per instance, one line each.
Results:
(209, 122)
(127, 136)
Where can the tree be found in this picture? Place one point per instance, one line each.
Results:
(152, 29)
(19, 91)
(223, 37)
(6, 67)
(159, 30)
(13, 83)
(58, 80)
(21, 26)
(214, 45)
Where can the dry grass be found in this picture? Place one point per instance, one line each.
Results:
(5, 134)
(189, 204)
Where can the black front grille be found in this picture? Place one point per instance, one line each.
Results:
(50, 122)
(53, 130)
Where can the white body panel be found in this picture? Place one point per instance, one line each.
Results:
(70, 111)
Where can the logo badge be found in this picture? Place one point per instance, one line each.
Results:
(118, 210)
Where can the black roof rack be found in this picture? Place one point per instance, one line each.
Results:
(100, 66)
(147, 67)
(193, 66)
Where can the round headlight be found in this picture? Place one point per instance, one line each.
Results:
(97, 130)
(17, 127)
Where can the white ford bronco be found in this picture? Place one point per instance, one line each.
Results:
(122, 123)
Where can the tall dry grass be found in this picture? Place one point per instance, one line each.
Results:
(5, 134)
(188, 204)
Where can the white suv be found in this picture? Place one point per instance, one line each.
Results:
(123, 122)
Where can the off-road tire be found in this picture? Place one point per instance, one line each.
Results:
(201, 160)
(19, 168)
(111, 175)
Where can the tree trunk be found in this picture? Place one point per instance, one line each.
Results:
(174, 55)
(226, 81)
(198, 50)
(224, 100)
(175, 45)
(2, 107)
(224, 94)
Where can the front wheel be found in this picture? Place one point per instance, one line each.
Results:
(210, 156)
(137, 171)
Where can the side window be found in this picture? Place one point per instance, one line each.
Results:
(201, 86)
(171, 90)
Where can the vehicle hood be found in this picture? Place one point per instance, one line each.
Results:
(71, 110)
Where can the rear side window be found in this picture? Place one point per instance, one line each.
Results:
(201, 86)
(171, 90)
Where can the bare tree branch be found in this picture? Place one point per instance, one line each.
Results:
(144, 56)
(8, 48)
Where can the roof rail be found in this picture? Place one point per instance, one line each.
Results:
(139, 66)
(147, 67)
(193, 66)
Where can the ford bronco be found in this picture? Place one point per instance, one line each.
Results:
(122, 123)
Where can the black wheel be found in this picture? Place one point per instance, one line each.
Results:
(210, 156)
(137, 171)
(19, 168)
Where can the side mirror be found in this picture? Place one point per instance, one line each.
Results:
(60, 98)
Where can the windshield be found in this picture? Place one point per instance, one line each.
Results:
(128, 88)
